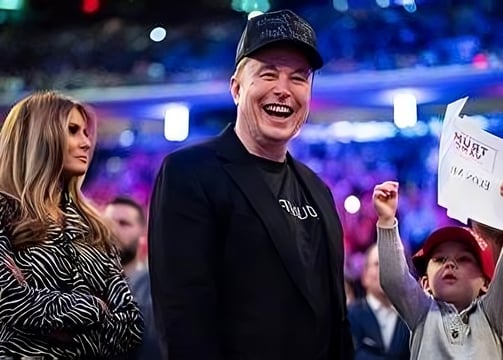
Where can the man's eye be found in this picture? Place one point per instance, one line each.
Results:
(268, 74)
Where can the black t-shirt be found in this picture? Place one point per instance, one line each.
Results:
(309, 238)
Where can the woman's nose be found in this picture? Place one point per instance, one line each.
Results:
(86, 143)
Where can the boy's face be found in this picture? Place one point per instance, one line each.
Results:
(454, 275)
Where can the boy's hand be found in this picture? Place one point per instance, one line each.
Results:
(385, 199)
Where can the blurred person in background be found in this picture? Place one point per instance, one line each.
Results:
(129, 223)
(378, 331)
(245, 244)
(63, 293)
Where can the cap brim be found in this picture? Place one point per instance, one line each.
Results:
(313, 56)
(448, 233)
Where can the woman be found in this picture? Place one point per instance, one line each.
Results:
(62, 290)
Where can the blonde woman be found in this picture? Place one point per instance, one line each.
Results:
(62, 290)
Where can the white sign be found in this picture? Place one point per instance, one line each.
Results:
(470, 170)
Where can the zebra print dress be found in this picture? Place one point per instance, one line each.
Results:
(52, 295)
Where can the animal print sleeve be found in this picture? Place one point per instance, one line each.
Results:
(38, 310)
(123, 327)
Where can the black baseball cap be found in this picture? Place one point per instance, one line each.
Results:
(275, 27)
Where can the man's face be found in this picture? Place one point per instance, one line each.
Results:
(273, 90)
(370, 277)
(127, 227)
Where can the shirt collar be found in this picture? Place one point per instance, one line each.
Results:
(373, 302)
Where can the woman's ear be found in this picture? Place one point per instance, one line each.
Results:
(425, 283)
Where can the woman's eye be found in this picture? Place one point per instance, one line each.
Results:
(73, 129)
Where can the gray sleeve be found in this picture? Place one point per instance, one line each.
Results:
(403, 290)
(491, 302)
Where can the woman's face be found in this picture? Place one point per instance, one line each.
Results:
(77, 155)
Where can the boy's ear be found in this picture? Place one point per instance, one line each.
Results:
(425, 283)
(485, 287)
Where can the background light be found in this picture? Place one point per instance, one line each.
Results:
(352, 204)
(404, 110)
(176, 122)
(158, 34)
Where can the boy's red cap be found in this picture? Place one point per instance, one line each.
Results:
(477, 244)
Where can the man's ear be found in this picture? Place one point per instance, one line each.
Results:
(234, 86)
(425, 283)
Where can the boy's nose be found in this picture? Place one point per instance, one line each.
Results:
(451, 262)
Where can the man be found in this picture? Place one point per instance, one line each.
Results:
(378, 332)
(245, 245)
(129, 223)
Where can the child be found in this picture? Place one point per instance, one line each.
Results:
(452, 313)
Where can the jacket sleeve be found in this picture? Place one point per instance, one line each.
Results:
(182, 261)
(38, 310)
(123, 325)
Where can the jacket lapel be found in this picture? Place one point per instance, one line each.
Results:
(400, 336)
(373, 327)
(247, 177)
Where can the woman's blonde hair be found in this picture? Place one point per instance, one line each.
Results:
(33, 141)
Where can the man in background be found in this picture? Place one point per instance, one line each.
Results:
(378, 331)
(129, 223)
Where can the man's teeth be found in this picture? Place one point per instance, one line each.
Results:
(278, 109)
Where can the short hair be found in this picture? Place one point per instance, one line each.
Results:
(126, 200)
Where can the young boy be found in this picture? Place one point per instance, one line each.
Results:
(452, 313)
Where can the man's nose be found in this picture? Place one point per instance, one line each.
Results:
(282, 87)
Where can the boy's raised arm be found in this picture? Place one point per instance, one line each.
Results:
(400, 286)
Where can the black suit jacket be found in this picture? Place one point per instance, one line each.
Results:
(227, 281)
(367, 336)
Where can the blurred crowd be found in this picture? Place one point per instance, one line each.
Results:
(117, 51)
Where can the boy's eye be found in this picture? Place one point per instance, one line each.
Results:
(465, 259)
(439, 259)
